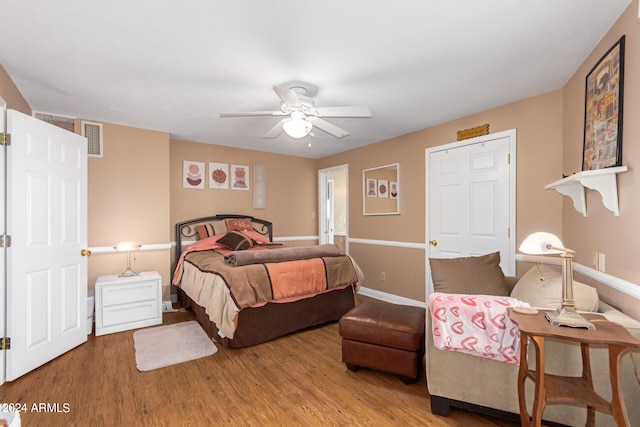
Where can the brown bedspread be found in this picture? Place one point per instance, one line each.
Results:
(258, 283)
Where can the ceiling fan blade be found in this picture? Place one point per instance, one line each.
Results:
(353, 111)
(252, 113)
(288, 96)
(276, 130)
(328, 127)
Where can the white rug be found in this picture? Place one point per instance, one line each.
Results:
(172, 344)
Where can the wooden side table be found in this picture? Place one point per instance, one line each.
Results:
(571, 390)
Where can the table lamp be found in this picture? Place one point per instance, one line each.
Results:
(542, 243)
(128, 246)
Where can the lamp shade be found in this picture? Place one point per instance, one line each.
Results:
(541, 243)
(127, 246)
(297, 127)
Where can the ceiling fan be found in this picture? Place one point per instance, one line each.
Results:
(302, 114)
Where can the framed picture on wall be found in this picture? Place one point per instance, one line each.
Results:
(393, 190)
(240, 177)
(259, 185)
(603, 111)
(383, 188)
(193, 174)
(218, 175)
(372, 187)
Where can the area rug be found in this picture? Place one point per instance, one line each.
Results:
(172, 344)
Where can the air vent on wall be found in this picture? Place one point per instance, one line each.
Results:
(93, 132)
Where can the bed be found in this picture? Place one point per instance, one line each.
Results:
(246, 289)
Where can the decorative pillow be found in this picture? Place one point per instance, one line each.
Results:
(479, 275)
(205, 230)
(257, 237)
(236, 241)
(541, 287)
(211, 229)
(240, 224)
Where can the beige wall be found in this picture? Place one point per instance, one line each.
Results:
(128, 194)
(549, 144)
(291, 189)
(10, 93)
(129, 200)
(136, 192)
(538, 122)
(602, 231)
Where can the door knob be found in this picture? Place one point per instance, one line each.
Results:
(85, 252)
(433, 242)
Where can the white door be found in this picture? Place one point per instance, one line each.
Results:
(3, 228)
(329, 212)
(327, 209)
(47, 220)
(471, 199)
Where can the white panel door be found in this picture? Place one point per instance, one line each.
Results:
(329, 214)
(330, 195)
(471, 202)
(3, 250)
(47, 220)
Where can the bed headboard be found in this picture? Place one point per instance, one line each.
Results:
(187, 230)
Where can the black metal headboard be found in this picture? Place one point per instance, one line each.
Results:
(187, 230)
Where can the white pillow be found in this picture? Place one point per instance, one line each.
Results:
(547, 293)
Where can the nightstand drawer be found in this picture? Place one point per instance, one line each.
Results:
(128, 313)
(125, 293)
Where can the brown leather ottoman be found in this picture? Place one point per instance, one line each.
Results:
(384, 336)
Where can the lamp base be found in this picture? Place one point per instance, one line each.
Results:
(567, 317)
(128, 273)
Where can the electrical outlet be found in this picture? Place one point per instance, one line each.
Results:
(383, 276)
(594, 261)
(600, 261)
(167, 307)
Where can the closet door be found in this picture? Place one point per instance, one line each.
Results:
(471, 199)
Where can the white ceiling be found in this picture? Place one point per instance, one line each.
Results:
(174, 66)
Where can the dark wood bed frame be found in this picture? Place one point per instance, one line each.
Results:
(256, 325)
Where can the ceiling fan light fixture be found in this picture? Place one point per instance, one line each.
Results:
(297, 127)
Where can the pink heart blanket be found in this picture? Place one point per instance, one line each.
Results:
(476, 324)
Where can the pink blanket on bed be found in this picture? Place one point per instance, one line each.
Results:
(476, 324)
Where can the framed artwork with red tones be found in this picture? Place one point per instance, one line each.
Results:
(603, 111)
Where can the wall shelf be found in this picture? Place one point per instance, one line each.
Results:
(601, 180)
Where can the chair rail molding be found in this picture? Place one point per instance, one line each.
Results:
(629, 288)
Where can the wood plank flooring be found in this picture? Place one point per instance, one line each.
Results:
(294, 380)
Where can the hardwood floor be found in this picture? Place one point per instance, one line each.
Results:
(294, 380)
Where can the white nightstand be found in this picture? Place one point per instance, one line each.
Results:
(124, 303)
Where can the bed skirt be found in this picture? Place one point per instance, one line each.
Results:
(272, 320)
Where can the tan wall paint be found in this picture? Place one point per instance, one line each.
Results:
(549, 134)
(291, 188)
(10, 93)
(602, 231)
(538, 122)
(129, 200)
